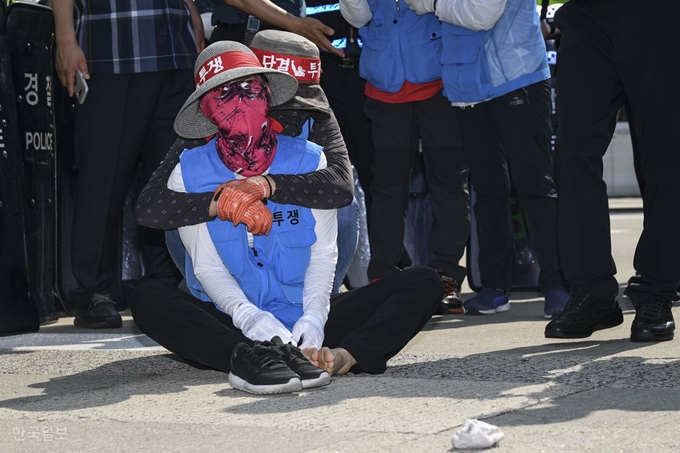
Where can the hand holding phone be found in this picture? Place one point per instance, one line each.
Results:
(81, 88)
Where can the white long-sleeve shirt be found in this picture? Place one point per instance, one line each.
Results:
(222, 287)
(470, 14)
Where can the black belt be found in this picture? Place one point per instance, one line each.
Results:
(236, 27)
(349, 61)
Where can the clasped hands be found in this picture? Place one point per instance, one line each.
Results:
(240, 201)
(421, 7)
(260, 325)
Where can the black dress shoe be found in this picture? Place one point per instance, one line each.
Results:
(653, 321)
(102, 314)
(583, 315)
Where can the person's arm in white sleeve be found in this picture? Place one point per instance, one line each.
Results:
(209, 269)
(308, 330)
(356, 12)
(471, 14)
(220, 286)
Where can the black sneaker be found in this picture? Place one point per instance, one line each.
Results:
(310, 375)
(261, 369)
(653, 321)
(102, 314)
(452, 301)
(583, 315)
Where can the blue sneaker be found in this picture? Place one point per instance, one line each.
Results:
(555, 301)
(487, 302)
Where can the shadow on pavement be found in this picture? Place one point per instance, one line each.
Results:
(113, 383)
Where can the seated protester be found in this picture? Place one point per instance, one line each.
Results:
(255, 296)
(306, 115)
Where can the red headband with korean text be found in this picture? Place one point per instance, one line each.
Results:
(305, 70)
(223, 62)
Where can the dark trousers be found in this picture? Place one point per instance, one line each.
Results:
(613, 52)
(396, 131)
(126, 117)
(345, 91)
(508, 139)
(373, 323)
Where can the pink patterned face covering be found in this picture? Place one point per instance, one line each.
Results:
(245, 142)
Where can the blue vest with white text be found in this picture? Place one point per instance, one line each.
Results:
(399, 45)
(482, 65)
(271, 273)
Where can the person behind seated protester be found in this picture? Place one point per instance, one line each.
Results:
(307, 112)
(230, 20)
(255, 296)
(137, 62)
(613, 54)
(400, 61)
(495, 72)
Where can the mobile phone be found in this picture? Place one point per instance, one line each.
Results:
(252, 27)
(81, 87)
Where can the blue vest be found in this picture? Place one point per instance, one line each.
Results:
(271, 273)
(399, 45)
(482, 65)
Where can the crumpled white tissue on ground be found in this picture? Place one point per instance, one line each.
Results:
(476, 434)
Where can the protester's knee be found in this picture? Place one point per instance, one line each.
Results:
(143, 298)
(429, 283)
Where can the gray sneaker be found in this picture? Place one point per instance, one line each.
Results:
(310, 375)
(260, 369)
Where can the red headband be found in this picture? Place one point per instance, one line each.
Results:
(224, 61)
(305, 70)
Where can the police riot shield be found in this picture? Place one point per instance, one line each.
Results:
(18, 313)
(30, 28)
(130, 268)
(66, 173)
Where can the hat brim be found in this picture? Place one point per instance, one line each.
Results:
(309, 98)
(192, 123)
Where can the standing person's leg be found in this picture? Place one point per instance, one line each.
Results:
(194, 330)
(524, 120)
(447, 175)
(345, 90)
(176, 86)
(654, 99)
(346, 100)
(394, 153)
(110, 129)
(489, 179)
(374, 322)
(589, 94)
(636, 147)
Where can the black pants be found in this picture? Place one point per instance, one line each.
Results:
(345, 91)
(508, 138)
(373, 323)
(613, 52)
(396, 131)
(126, 117)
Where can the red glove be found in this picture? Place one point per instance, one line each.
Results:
(258, 219)
(236, 196)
